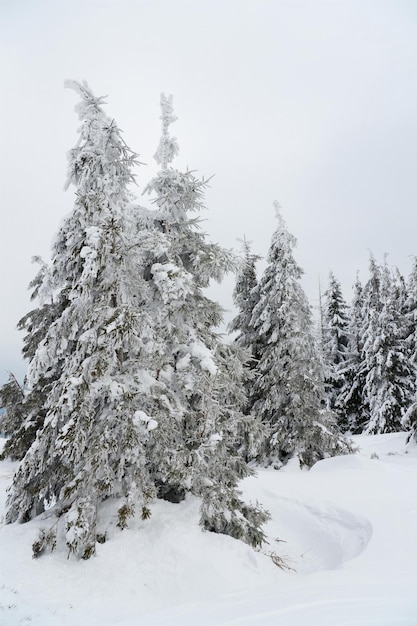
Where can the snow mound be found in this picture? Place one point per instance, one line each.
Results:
(351, 462)
(313, 536)
(382, 445)
(321, 537)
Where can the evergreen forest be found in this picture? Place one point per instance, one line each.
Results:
(131, 391)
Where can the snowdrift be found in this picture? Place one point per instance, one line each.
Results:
(345, 531)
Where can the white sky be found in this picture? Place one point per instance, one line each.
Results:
(309, 102)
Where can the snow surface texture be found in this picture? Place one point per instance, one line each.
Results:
(346, 528)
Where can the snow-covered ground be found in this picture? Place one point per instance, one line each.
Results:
(346, 529)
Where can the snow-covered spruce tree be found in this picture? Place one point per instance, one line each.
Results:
(288, 392)
(244, 296)
(409, 420)
(401, 291)
(350, 398)
(334, 322)
(91, 446)
(11, 400)
(410, 309)
(368, 310)
(390, 376)
(25, 406)
(194, 448)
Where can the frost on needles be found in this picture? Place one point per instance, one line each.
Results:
(143, 397)
(201, 376)
(287, 393)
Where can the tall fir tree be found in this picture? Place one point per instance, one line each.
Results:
(335, 342)
(410, 309)
(196, 446)
(288, 391)
(24, 404)
(407, 291)
(91, 446)
(335, 322)
(390, 379)
(350, 398)
(12, 420)
(244, 297)
(370, 309)
(409, 420)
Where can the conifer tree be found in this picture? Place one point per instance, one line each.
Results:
(253, 432)
(91, 445)
(244, 295)
(410, 311)
(400, 294)
(334, 341)
(390, 380)
(288, 392)
(350, 399)
(335, 322)
(371, 306)
(25, 406)
(409, 420)
(195, 447)
(11, 421)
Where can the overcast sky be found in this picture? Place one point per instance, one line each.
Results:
(309, 102)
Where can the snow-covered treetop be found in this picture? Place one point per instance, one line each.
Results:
(246, 249)
(277, 208)
(100, 149)
(88, 102)
(282, 242)
(168, 146)
(334, 323)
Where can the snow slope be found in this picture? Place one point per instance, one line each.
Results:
(346, 528)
